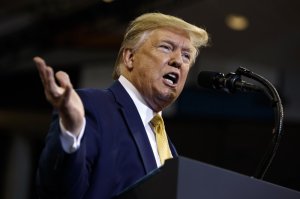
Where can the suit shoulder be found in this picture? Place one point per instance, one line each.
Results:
(93, 96)
(92, 92)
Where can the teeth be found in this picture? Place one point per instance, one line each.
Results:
(170, 81)
(172, 76)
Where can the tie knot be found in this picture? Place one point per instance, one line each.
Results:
(157, 121)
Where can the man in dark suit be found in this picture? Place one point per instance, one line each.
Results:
(102, 141)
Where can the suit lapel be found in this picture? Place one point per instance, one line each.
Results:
(172, 148)
(135, 125)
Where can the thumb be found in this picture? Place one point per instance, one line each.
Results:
(63, 79)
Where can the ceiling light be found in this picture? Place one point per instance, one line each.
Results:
(237, 22)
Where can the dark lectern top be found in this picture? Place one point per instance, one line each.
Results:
(183, 178)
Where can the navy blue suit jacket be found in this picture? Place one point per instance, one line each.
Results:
(114, 153)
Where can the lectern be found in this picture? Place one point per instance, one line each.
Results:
(184, 178)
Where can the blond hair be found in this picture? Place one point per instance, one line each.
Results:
(135, 33)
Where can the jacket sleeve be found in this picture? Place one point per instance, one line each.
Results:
(67, 175)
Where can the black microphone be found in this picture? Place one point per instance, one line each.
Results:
(230, 82)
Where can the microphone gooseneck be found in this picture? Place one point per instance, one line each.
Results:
(232, 82)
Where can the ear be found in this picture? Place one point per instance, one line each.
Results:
(128, 58)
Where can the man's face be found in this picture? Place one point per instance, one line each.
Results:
(159, 67)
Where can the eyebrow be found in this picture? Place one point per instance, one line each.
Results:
(186, 49)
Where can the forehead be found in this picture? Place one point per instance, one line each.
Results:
(176, 36)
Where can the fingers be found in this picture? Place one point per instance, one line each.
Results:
(47, 76)
(52, 90)
(63, 79)
(50, 84)
(42, 68)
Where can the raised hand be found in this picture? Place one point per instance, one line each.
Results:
(62, 96)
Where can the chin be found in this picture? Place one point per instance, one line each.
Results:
(169, 97)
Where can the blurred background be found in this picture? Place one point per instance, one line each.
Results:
(231, 131)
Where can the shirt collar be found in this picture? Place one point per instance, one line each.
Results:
(145, 112)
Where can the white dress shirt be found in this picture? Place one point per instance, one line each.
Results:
(70, 143)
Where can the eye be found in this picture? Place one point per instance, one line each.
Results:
(186, 56)
(165, 47)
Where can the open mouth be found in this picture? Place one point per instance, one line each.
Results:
(171, 78)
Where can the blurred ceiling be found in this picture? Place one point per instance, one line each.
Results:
(71, 34)
(75, 31)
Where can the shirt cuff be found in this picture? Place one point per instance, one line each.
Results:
(70, 143)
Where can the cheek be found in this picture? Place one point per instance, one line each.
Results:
(149, 67)
(184, 74)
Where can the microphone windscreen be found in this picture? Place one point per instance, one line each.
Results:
(207, 79)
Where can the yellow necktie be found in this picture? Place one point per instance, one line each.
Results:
(161, 138)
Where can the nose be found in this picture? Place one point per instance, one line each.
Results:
(175, 59)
